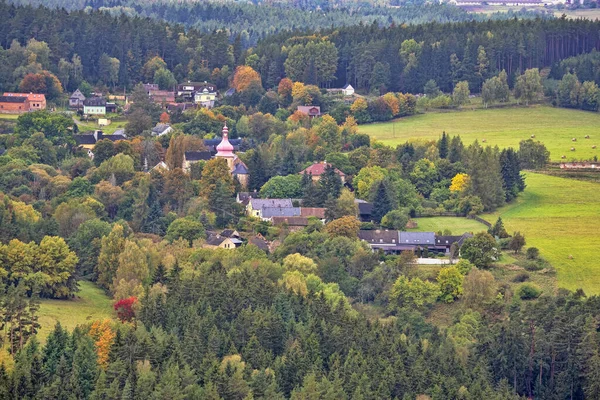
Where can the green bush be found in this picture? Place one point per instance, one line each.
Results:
(521, 277)
(532, 265)
(529, 291)
(532, 253)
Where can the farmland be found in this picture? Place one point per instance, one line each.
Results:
(503, 127)
(560, 217)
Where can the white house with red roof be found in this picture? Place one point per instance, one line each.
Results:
(318, 169)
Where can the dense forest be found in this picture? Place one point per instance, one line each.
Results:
(255, 21)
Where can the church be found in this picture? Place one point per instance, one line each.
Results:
(224, 150)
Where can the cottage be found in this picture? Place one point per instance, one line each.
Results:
(445, 242)
(348, 90)
(318, 169)
(311, 111)
(76, 100)
(218, 241)
(161, 130)
(94, 106)
(37, 101)
(260, 242)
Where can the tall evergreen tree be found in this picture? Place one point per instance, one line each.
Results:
(443, 146)
(382, 203)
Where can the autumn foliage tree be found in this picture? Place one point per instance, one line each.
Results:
(244, 76)
(44, 82)
(103, 335)
(124, 309)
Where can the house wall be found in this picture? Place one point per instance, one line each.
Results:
(94, 110)
(14, 108)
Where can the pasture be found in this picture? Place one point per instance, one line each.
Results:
(503, 127)
(561, 217)
(89, 304)
(457, 226)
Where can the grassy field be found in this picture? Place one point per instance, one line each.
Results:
(85, 126)
(90, 304)
(503, 127)
(561, 217)
(456, 225)
(11, 117)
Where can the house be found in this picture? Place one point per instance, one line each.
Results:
(13, 105)
(76, 100)
(150, 87)
(89, 140)
(37, 101)
(161, 129)
(445, 242)
(161, 166)
(111, 107)
(192, 157)
(348, 90)
(260, 242)
(318, 169)
(189, 89)
(218, 241)
(205, 98)
(317, 212)
(267, 213)
(94, 106)
(365, 209)
(161, 96)
(230, 233)
(292, 223)
(311, 111)
(381, 239)
(244, 197)
(255, 206)
(423, 239)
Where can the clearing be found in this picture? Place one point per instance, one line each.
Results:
(561, 217)
(89, 304)
(504, 127)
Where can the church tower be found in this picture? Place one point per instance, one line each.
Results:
(225, 149)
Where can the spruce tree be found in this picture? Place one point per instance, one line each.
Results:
(382, 203)
(256, 169)
(443, 146)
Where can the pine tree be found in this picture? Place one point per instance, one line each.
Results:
(288, 167)
(330, 183)
(256, 169)
(382, 203)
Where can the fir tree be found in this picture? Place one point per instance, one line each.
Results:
(443, 146)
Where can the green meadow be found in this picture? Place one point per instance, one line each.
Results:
(503, 127)
(457, 226)
(561, 217)
(89, 304)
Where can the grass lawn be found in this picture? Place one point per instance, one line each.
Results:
(85, 126)
(11, 117)
(89, 304)
(504, 127)
(561, 217)
(456, 225)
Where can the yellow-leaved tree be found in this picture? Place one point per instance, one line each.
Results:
(459, 183)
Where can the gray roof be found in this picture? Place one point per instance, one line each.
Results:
(269, 212)
(420, 238)
(240, 169)
(160, 128)
(95, 102)
(378, 236)
(197, 155)
(263, 203)
(77, 95)
(449, 240)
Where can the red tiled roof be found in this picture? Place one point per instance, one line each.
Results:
(312, 212)
(318, 169)
(30, 96)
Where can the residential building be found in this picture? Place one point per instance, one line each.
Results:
(395, 242)
(260, 242)
(37, 101)
(244, 197)
(311, 111)
(255, 206)
(94, 106)
(348, 90)
(150, 87)
(76, 100)
(189, 89)
(205, 98)
(161, 129)
(218, 241)
(191, 157)
(318, 169)
(13, 105)
(162, 96)
(181, 107)
(88, 140)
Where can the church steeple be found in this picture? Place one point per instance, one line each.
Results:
(225, 148)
